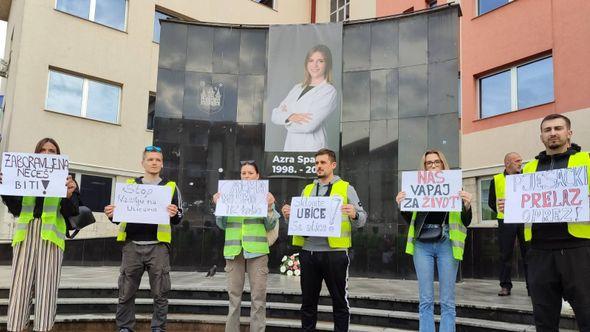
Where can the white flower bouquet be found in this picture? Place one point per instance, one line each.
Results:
(290, 265)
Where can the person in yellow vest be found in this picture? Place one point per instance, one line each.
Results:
(559, 254)
(38, 248)
(324, 258)
(246, 249)
(507, 233)
(437, 237)
(147, 247)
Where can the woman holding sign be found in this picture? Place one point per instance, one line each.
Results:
(437, 237)
(38, 246)
(246, 249)
(308, 104)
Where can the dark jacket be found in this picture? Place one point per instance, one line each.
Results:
(149, 232)
(435, 218)
(553, 236)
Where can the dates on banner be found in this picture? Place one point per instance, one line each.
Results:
(287, 164)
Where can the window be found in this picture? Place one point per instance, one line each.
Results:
(157, 26)
(517, 88)
(268, 3)
(112, 13)
(151, 111)
(431, 3)
(484, 6)
(339, 10)
(79, 96)
(484, 190)
(95, 191)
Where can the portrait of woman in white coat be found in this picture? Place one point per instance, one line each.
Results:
(308, 104)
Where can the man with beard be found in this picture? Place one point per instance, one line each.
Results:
(559, 256)
(327, 258)
(507, 233)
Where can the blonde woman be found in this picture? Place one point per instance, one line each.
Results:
(308, 104)
(437, 237)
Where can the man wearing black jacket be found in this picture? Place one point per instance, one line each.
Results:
(147, 247)
(559, 256)
(507, 233)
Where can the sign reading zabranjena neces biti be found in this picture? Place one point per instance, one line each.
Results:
(32, 174)
(242, 198)
(559, 195)
(432, 190)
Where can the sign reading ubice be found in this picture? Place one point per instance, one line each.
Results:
(559, 195)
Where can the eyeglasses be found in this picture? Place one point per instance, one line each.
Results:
(247, 162)
(434, 162)
(153, 148)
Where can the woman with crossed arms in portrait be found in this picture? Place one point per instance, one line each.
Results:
(437, 237)
(308, 104)
(246, 249)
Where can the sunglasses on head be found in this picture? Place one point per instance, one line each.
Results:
(153, 148)
(247, 162)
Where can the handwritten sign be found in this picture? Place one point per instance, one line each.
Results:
(242, 198)
(32, 174)
(315, 216)
(559, 195)
(142, 203)
(432, 191)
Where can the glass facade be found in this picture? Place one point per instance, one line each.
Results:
(399, 97)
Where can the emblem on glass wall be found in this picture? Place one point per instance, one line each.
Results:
(211, 97)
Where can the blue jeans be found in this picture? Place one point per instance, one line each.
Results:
(425, 254)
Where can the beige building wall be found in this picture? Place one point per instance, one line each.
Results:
(40, 37)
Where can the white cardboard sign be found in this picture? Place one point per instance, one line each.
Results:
(34, 174)
(316, 216)
(142, 203)
(242, 198)
(432, 190)
(559, 195)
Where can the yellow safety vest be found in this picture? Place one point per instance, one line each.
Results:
(53, 224)
(576, 229)
(339, 188)
(248, 233)
(164, 231)
(500, 188)
(457, 234)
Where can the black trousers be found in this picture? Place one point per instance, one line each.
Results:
(331, 267)
(507, 234)
(557, 274)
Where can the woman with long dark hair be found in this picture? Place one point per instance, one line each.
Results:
(246, 249)
(437, 237)
(38, 245)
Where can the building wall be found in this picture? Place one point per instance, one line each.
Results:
(45, 37)
(393, 7)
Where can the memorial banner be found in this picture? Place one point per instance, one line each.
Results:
(559, 195)
(316, 216)
(432, 191)
(34, 174)
(242, 198)
(142, 203)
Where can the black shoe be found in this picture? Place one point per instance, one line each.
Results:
(504, 292)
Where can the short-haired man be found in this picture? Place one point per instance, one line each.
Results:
(327, 258)
(559, 256)
(507, 233)
(147, 247)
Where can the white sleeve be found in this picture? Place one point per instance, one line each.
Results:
(321, 107)
(278, 116)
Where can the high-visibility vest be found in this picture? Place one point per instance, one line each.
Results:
(457, 234)
(339, 188)
(247, 233)
(53, 224)
(576, 229)
(164, 231)
(500, 188)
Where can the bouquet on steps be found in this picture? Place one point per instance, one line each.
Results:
(290, 265)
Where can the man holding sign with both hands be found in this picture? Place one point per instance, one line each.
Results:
(326, 258)
(559, 256)
(437, 233)
(147, 247)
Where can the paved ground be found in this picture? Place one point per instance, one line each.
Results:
(469, 292)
